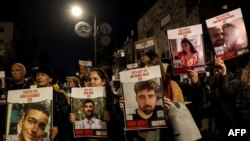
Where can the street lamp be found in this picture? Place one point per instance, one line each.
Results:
(82, 28)
(76, 11)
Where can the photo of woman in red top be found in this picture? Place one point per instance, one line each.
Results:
(190, 54)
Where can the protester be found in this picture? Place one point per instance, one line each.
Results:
(173, 93)
(18, 81)
(152, 59)
(196, 95)
(98, 78)
(173, 90)
(72, 82)
(235, 98)
(44, 78)
(82, 75)
(186, 81)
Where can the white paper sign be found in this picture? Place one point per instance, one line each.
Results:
(30, 95)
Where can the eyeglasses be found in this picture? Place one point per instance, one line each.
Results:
(147, 64)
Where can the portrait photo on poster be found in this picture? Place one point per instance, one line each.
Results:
(89, 113)
(228, 36)
(187, 52)
(131, 103)
(143, 98)
(25, 117)
(88, 106)
(187, 49)
(29, 109)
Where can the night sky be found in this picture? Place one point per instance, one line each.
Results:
(51, 23)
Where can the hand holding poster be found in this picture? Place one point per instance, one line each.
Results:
(187, 49)
(228, 34)
(29, 109)
(143, 94)
(88, 105)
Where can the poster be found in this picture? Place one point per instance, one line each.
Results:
(29, 114)
(88, 105)
(143, 46)
(187, 49)
(143, 98)
(228, 34)
(132, 66)
(85, 63)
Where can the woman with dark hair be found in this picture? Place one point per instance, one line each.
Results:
(190, 54)
(151, 58)
(173, 91)
(98, 78)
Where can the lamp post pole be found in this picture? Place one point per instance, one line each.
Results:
(95, 39)
(77, 12)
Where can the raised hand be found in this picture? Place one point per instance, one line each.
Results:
(193, 76)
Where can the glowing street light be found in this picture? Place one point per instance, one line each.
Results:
(76, 11)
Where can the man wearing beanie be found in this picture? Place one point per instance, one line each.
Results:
(44, 78)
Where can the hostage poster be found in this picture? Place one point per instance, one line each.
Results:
(88, 105)
(228, 34)
(143, 98)
(187, 49)
(29, 114)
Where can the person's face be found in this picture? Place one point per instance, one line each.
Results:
(185, 81)
(33, 125)
(217, 36)
(185, 46)
(230, 35)
(43, 80)
(217, 72)
(145, 61)
(17, 72)
(95, 80)
(70, 83)
(88, 109)
(83, 70)
(146, 100)
(87, 83)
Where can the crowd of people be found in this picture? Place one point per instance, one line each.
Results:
(223, 98)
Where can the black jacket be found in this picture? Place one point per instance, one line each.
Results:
(61, 111)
